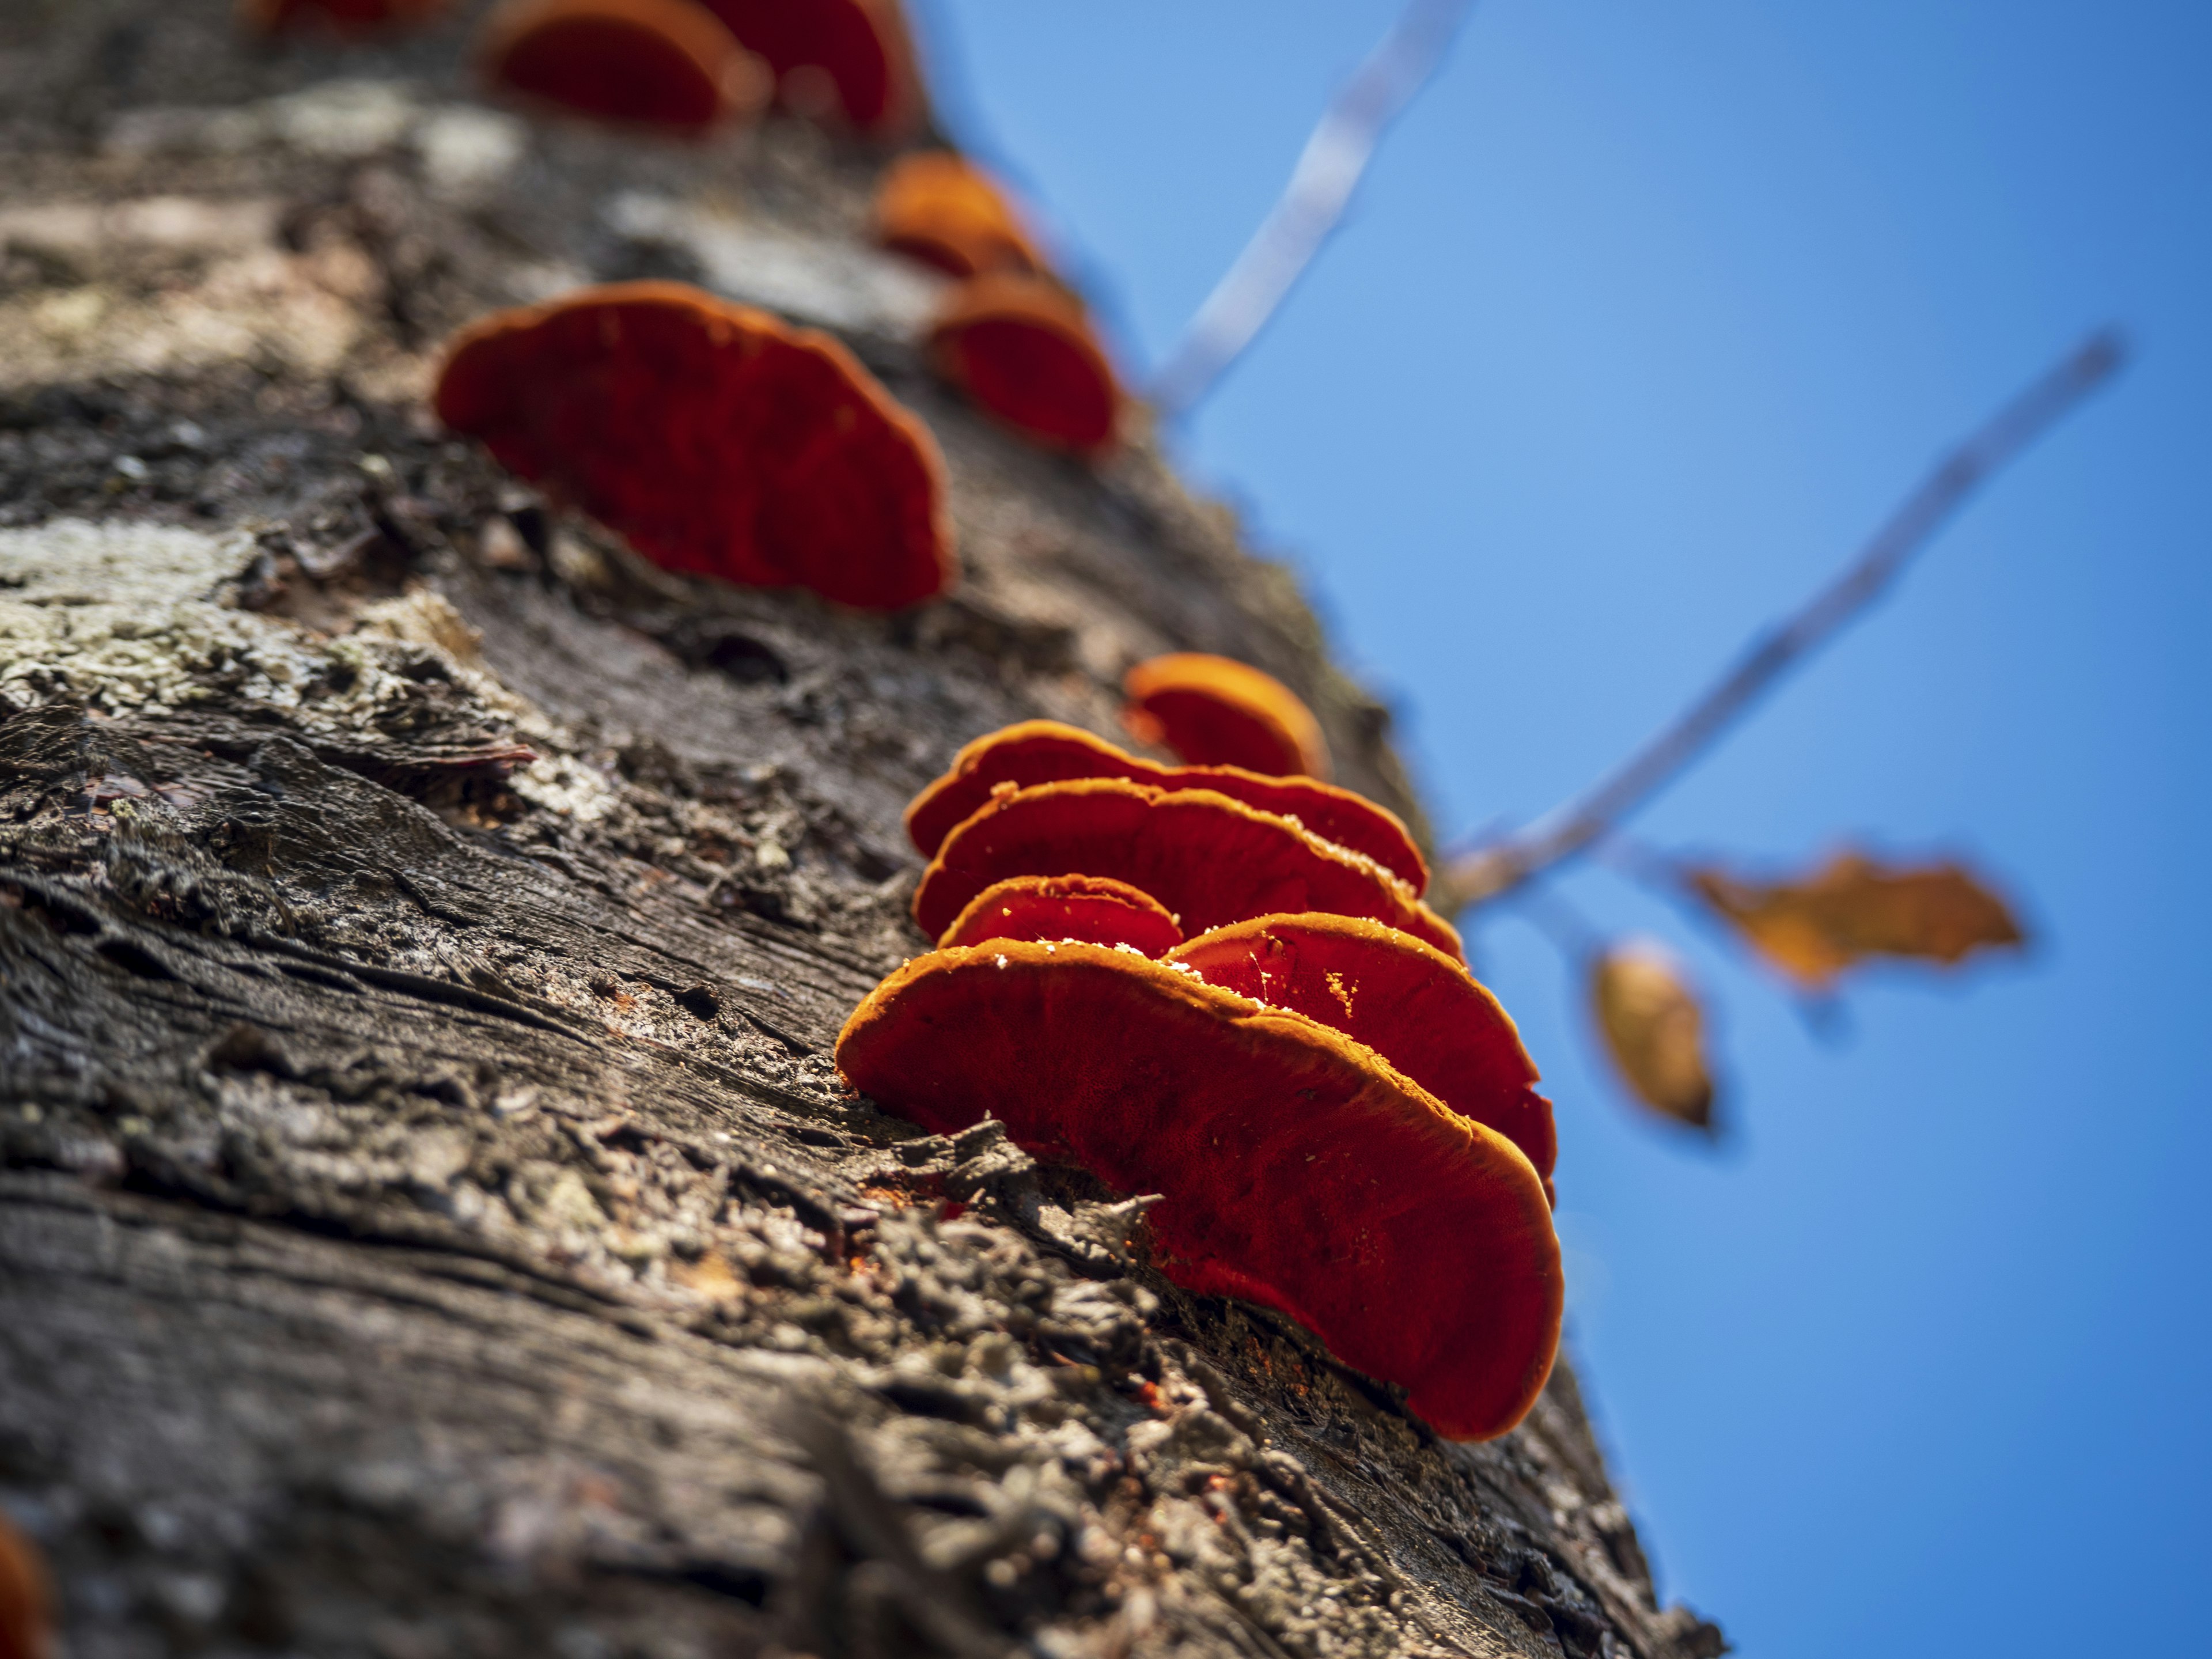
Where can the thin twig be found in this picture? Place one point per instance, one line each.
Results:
(1569, 930)
(1485, 871)
(1321, 185)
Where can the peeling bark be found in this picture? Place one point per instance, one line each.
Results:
(430, 1221)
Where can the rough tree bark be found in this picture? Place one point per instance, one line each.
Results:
(430, 1221)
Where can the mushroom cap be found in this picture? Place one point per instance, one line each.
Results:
(653, 63)
(1215, 711)
(1021, 347)
(945, 211)
(346, 16)
(720, 442)
(1298, 1169)
(1412, 1004)
(848, 61)
(1210, 859)
(25, 1600)
(1092, 909)
(1045, 752)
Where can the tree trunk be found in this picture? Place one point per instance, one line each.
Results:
(430, 1222)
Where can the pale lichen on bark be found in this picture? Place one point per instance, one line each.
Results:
(431, 1222)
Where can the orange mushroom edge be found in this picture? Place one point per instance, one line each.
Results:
(25, 1600)
(1086, 910)
(664, 63)
(1412, 1004)
(842, 63)
(1298, 1169)
(944, 210)
(1046, 751)
(340, 16)
(1215, 711)
(1021, 347)
(718, 442)
(1208, 859)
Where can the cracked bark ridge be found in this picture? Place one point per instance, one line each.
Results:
(429, 1224)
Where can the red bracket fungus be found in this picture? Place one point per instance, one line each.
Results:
(26, 1605)
(650, 62)
(1214, 711)
(848, 62)
(944, 210)
(718, 442)
(1021, 347)
(341, 16)
(1210, 859)
(1046, 751)
(1408, 1001)
(1298, 1169)
(1089, 910)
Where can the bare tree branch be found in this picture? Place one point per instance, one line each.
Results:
(1485, 871)
(1327, 172)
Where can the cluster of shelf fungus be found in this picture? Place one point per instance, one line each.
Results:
(719, 439)
(1220, 985)
(1214, 982)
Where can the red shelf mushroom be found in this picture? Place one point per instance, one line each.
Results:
(341, 16)
(648, 63)
(1298, 1169)
(942, 210)
(1210, 859)
(1021, 347)
(1090, 909)
(1214, 711)
(1408, 1001)
(848, 62)
(718, 442)
(1046, 751)
(25, 1600)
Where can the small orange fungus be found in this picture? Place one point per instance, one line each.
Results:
(844, 62)
(341, 16)
(1092, 909)
(1298, 1169)
(652, 63)
(1021, 347)
(1046, 751)
(718, 442)
(1214, 711)
(1408, 1001)
(1210, 859)
(26, 1607)
(944, 210)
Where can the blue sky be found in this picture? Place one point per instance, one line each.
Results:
(1644, 316)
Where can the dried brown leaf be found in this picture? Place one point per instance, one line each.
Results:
(1854, 908)
(1655, 1030)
